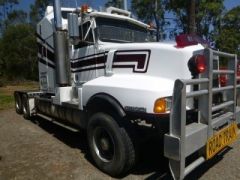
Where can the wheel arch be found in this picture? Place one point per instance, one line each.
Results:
(105, 103)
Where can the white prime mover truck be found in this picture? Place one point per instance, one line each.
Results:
(103, 72)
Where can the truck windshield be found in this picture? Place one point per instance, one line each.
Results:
(111, 30)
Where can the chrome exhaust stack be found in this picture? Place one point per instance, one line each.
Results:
(61, 48)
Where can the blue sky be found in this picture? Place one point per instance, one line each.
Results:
(24, 4)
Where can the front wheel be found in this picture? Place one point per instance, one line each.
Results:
(110, 145)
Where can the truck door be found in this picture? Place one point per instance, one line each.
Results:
(87, 62)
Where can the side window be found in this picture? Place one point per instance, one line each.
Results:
(86, 32)
(64, 14)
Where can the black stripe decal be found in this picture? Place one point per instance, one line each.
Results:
(45, 63)
(89, 69)
(46, 52)
(44, 41)
(89, 62)
(92, 55)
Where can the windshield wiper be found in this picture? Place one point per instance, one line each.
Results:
(115, 40)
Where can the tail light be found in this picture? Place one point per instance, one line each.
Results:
(223, 77)
(197, 64)
(223, 80)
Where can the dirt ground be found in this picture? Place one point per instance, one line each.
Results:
(41, 150)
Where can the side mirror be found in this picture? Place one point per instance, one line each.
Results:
(73, 27)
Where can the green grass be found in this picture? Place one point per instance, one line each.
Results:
(6, 93)
(6, 101)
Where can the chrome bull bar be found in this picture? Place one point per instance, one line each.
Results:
(185, 139)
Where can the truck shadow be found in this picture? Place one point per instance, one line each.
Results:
(151, 163)
(71, 138)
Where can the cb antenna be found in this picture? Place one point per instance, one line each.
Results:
(76, 4)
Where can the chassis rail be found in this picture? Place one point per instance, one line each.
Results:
(185, 139)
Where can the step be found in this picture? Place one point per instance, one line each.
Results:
(72, 104)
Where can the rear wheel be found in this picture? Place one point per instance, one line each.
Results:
(110, 145)
(26, 110)
(18, 103)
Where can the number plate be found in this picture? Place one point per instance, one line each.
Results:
(221, 139)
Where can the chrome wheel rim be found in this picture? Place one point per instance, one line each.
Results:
(103, 144)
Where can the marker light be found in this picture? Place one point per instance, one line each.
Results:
(160, 106)
(84, 8)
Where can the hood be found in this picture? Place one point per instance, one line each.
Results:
(150, 45)
(162, 60)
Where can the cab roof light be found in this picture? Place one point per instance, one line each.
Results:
(84, 8)
(184, 40)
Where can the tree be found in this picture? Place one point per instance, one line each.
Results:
(18, 52)
(149, 11)
(7, 7)
(197, 16)
(37, 10)
(208, 16)
(16, 17)
(229, 37)
(115, 3)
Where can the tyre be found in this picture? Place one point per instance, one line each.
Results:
(18, 103)
(26, 110)
(110, 145)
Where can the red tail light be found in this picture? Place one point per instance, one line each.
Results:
(197, 64)
(223, 77)
(223, 80)
(201, 63)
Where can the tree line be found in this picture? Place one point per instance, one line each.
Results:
(18, 47)
(208, 19)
